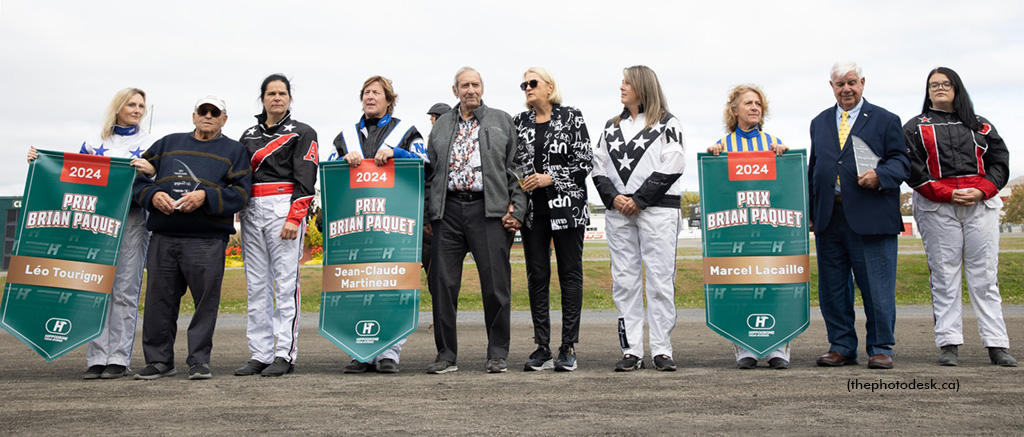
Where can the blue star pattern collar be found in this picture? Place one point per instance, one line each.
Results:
(126, 131)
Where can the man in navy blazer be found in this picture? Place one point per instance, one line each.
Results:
(856, 218)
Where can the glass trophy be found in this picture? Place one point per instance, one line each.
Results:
(185, 181)
(866, 159)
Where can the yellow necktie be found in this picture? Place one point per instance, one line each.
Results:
(844, 129)
(844, 132)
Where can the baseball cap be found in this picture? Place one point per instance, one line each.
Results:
(211, 100)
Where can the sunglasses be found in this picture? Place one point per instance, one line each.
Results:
(531, 84)
(212, 110)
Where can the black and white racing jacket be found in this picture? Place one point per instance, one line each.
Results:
(644, 164)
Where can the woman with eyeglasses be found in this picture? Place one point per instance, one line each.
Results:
(555, 156)
(744, 116)
(958, 164)
(109, 355)
(284, 165)
(637, 164)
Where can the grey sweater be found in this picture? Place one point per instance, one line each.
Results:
(498, 145)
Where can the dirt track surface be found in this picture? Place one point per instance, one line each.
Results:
(708, 395)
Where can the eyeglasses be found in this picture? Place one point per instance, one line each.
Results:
(934, 86)
(205, 109)
(530, 83)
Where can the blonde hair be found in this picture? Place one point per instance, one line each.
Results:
(120, 99)
(734, 102)
(556, 92)
(389, 91)
(645, 83)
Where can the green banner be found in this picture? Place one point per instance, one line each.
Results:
(66, 248)
(373, 221)
(753, 209)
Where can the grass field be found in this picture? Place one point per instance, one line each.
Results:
(911, 285)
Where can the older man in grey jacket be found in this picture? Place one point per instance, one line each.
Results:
(474, 204)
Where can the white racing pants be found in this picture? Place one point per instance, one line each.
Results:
(114, 345)
(781, 352)
(644, 243)
(392, 353)
(963, 238)
(272, 275)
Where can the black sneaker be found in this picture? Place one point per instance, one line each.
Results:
(356, 366)
(746, 363)
(540, 359)
(280, 366)
(253, 367)
(566, 361)
(664, 363)
(496, 365)
(1000, 356)
(441, 366)
(387, 365)
(778, 363)
(93, 372)
(950, 356)
(156, 370)
(629, 363)
(114, 371)
(199, 371)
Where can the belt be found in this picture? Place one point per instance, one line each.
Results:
(466, 196)
(272, 189)
(839, 198)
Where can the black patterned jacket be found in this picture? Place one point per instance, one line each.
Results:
(567, 159)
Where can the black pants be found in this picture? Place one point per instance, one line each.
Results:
(464, 228)
(569, 255)
(175, 264)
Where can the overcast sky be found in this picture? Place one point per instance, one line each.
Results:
(61, 61)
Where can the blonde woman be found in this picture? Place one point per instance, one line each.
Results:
(555, 146)
(637, 164)
(744, 116)
(109, 355)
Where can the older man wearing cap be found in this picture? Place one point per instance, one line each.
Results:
(435, 111)
(198, 181)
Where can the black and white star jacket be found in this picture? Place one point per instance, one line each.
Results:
(285, 153)
(644, 164)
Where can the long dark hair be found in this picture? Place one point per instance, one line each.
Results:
(962, 106)
(273, 78)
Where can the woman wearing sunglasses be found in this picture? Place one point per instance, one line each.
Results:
(637, 164)
(555, 156)
(744, 116)
(284, 165)
(958, 164)
(109, 355)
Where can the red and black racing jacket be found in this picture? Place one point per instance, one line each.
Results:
(284, 160)
(946, 155)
